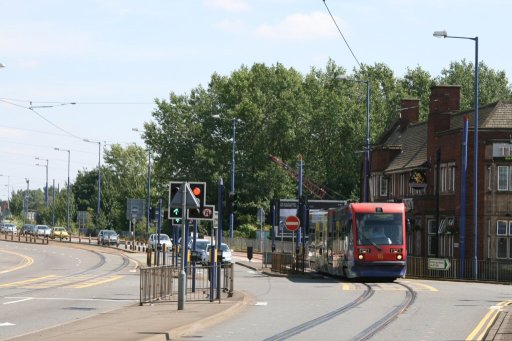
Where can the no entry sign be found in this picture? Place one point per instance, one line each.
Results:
(292, 223)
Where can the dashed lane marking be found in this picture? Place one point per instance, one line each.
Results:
(50, 281)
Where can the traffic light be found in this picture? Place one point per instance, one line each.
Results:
(199, 191)
(176, 215)
(231, 202)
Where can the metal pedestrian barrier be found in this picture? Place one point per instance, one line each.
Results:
(160, 283)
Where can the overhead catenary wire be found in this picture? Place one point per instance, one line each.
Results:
(341, 33)
(42, 117)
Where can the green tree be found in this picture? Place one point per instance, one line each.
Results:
(492, 85)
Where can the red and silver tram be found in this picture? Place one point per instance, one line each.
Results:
(359, 240)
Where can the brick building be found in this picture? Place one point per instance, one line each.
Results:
(404, 167)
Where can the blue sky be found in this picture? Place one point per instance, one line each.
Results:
(114, 57)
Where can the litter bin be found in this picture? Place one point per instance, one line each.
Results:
(249, 252)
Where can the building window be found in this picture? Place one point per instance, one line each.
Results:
(392, 185)
(504, 239)
(489, 176)
(447, 177)
(501, 149)
(503, 178)
(432, 237)
(383, 180)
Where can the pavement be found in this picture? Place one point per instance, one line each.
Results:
(150, 322)
(163, 321)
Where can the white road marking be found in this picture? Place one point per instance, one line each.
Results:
(76, 299)
(261, 303)
(6, 324)
(20, 300)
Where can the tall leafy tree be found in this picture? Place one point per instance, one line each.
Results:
(492, 85)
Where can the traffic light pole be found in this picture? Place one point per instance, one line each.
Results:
(182, 279)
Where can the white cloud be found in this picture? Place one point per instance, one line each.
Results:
(229, 5)
(301, 27)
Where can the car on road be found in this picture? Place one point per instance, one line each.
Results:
(43, 230)
(59, 232)
(164, 240)
(108, 237)
(200, 250)
(9, 228)
(226, 252)
(27, 229)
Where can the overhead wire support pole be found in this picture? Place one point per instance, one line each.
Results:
(444, 34)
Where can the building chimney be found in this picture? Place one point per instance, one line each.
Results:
(409, 112)
(444, 99)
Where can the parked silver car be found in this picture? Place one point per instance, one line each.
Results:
(43, 230)
(9, 228)
(108, 237)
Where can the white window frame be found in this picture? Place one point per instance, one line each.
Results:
(505, 237)
(503, 184)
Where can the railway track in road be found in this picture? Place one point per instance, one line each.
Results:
(366, 295)
(410, 296)
(368, 292)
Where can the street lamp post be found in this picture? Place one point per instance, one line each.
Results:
(233, 148)
(26, 200)
(367, 146)
(46, 190)
(8, 188)
(232, 214)
(148, 204)
(67, 209)
(444, 34)
(99, 178)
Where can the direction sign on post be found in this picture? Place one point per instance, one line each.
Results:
(438, 264)
(292, 223)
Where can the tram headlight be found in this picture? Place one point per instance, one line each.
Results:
(361, 256)
(399, 257)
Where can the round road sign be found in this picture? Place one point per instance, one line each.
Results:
(292, 223)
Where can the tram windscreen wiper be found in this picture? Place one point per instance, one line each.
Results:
(372, 242)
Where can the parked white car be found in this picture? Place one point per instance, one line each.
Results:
(9, 228)
(164, 240)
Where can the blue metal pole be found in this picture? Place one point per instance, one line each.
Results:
(475, 217)
(367, 151)
(148, 205)
(462, 229)
(219, 231)
(99, 183)
(273, 215)
(301, 229)
(232, 215)
(67, 211)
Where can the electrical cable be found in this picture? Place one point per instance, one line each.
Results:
(339, 30)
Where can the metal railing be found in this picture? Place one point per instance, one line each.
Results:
(160, 283)
(492, 271)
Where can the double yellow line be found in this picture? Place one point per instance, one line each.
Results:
(27, 261)
(486, 323)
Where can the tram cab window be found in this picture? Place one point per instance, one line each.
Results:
(378, 229)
